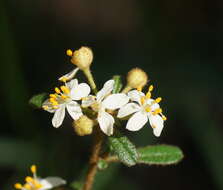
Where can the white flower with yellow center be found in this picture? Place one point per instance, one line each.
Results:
(105, 100)
(65, 98)
(37, 183)
(143, 108)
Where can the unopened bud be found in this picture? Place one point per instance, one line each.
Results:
(83, 126)
(136, 78)
(82, 57)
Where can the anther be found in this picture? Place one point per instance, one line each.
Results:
(29, 179)
(57, 90)
(139, 89)
(142, 100)
(150, 88)
(63, 96)
(18, 186)
(53, 96)
(164, 118)
(69, 52)
(158, 100)
(157, 111)
(148, 109)
(148, 95)
(33, 168)
(65, 89)
(27, 186)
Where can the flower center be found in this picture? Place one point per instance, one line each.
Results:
(60, 96)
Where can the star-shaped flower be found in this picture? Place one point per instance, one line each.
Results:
(143, 108)
(37, 183)
(65, 98)
(105, 100)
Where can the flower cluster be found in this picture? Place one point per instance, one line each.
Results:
(37, 183)
(131, 103)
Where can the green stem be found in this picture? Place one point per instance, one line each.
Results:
(90, 78)
(126, 89)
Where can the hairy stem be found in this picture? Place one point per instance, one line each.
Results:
(98, 139)
(90, 78)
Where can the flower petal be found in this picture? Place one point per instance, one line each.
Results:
(51, 182)
(135, 95)
(58, 116)
(74, 110)
(88, 101)
(107, 88)
(115, 101)
(154, 106)
(137, 121)
(156, 123)
(80, 91)
(72, 83)
(106, 122)
(128, 109)
(69, 75)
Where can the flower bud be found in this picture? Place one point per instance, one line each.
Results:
(83, 126)
(82, 57)
(136, 78)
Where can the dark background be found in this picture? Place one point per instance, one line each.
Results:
(177, 42)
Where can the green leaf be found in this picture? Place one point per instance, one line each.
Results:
(102, 164)
(37, 100)
(118, 84)
(160, 155)
(77, 185)
(124, 149)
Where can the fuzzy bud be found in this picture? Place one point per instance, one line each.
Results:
(82, 57)
(83, 126)
(136, 78)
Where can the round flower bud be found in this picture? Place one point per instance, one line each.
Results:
(136, 78)
(82, 57)
(83, 126)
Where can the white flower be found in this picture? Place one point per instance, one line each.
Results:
(37, 183)
(64, 98)
(143, 109)
(105, 100)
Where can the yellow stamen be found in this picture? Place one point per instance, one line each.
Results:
(55, 103)
(164, 118)
(33, 168)
(65, 89)
(57, 90)
(63, 96)
(64, 79)
(69, 52)
(142, 100)
(139, 89)
(27, 186)
(53, 96)
(148, 95)
(29, 179)
(52, 100)
(38, 185)
(18, 186)
(150, 88)
(157, 111)
(158, 100)
(148, 109)
(45, 107)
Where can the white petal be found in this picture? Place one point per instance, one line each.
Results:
(88, 101)
(106, 122)
(115, 101)
(154, 105)
(156, 122)
(137, 121)
(74, 110)
(58, 116)
(69, 75)
(80, 91)
(49, 106)
(107, 88)
(51, 182)
(128, 109)
(73, 83)
(135, 95)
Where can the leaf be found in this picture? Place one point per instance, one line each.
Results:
(37, 100)
(77, 185)
(124, 149)
(160, 155)
(117, 84)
